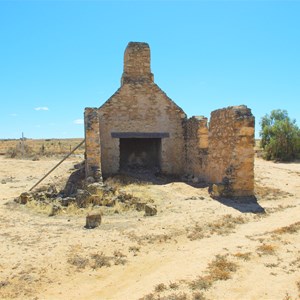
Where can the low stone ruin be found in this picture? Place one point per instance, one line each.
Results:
(83, 194)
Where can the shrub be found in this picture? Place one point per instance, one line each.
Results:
(280, 136)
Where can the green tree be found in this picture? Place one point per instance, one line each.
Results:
(280, 136)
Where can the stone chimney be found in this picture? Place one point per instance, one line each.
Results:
(137, 64)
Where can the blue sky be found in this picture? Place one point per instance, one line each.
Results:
(58, 57)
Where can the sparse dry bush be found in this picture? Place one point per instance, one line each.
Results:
(119, 258)
(197, 233)
(150, 238)
(245, 256)
(173, 296)
(221, 268)
(173, 285)
(198, 296)
(160, 287)
(223, 226)
(266, 249)
(291, 229)
(201, 283)
(100, 260)
(134, 249)
(78, 261)
(96, 260)
(150, 296)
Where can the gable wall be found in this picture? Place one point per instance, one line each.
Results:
(142, 108)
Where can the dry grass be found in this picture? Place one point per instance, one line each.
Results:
(173, 285)
(198, 296)
(268, 193)
(96, 260)
(225, 225)
(150, 238)
(221, 268)
(119, 258)
(100, 261)
(244, 256)
(78, 261)
(291, 229)
(172, 296)
(160, 288)
(201, 283)
(266, 249)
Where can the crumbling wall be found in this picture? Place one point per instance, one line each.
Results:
(92, 144)
(196, 138)
(231, 151)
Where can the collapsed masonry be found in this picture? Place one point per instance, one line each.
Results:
(141, 127)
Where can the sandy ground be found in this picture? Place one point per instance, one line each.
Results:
(135, 257)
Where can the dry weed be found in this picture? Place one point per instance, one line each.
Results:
(201, 283)
(150, 238)
(39, 207)
(223, 226)
(293, 228)
(78, 261)
(100, 260)
(266, 249)
(245, 256)
(198, 296)
(160, 288)
(173, 285)
(221, 268)
(119, 258)
(134, 249)
(173, 296)
(150, 296)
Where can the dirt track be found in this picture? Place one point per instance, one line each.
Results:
(56, 258)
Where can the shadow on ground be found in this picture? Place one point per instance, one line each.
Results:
(243, 204)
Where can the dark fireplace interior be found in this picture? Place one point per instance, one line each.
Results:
(140, 154)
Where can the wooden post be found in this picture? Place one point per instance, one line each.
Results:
(57, 165)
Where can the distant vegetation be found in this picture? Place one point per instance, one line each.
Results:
(280, 136)
(34, 149)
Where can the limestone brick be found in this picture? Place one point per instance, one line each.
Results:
(231, 150)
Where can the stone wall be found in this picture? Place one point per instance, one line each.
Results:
(92, 144)
(140, 106)
(196, 139)
(231, 151)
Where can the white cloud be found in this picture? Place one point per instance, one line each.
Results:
(41, 108)
(78, 121)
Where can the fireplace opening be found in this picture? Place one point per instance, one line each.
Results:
(140, 154)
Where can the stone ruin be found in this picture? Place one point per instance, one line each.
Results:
(140, 127)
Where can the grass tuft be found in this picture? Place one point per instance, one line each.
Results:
(266, 249)
(244, 256)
